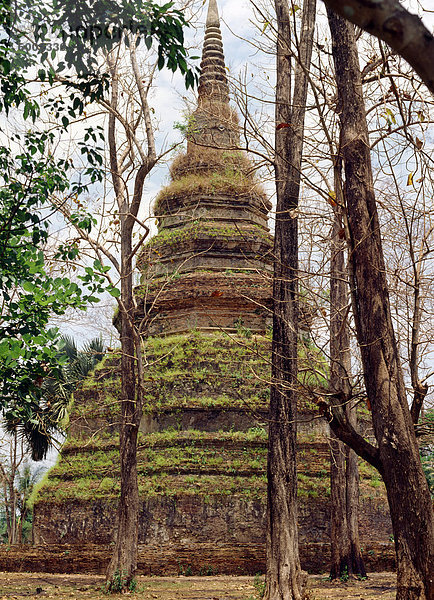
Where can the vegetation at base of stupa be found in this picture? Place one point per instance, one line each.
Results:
(206, 464)
(197, 370)
(190, 371)
(219, 370)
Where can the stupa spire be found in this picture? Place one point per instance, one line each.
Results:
(212, 221)
(213, 14)
(215, 123)
(213, 83)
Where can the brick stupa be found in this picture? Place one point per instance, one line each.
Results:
(208, 267)
(204, 303)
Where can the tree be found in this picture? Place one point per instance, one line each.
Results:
(17, 479)
(31, 177)
(401, 110)
(124, 560)
(285, 579)
(24, 439)
(29, 294)
(397, 454)
(129, 119)
(27, 480)
(403, 31)
(10, 464)
(346, 556)
(49, 417)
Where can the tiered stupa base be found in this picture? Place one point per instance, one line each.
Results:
(202, 462)
(208, 301)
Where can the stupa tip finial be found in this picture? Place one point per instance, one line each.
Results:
(213, 14)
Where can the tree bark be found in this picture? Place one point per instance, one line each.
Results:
(389, 21)
(352, 497)
(8, 474)
(285, 579)
(123, 564)
(397, 454)
(346, 556)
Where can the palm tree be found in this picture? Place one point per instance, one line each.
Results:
(25, 482)
(48, 417)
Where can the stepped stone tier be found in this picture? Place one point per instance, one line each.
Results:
(202, 464)
(205, 304)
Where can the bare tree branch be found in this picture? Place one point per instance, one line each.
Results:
(343, 429)
(402, 30)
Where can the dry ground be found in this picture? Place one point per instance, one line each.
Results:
(378, 586)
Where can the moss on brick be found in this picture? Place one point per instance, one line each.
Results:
(197, 370)
(228, 182)
(193, 463)
(167, 239)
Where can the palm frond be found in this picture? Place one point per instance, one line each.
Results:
(69, 348)
(44, 420)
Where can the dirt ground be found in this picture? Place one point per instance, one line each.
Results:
(378, 586)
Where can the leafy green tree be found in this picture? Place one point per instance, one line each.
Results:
(24, 439)
(31, 177)
(29, 294)
(50, 415)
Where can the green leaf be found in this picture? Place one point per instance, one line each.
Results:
(391, 115)
(114, 292)
(28, 286)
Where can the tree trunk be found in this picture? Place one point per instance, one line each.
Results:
(397, 455)
(285, 579)
(12, 536)
(123, 564)
(340, 540)
(283, 565)
(352, 497)
(346, 556)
